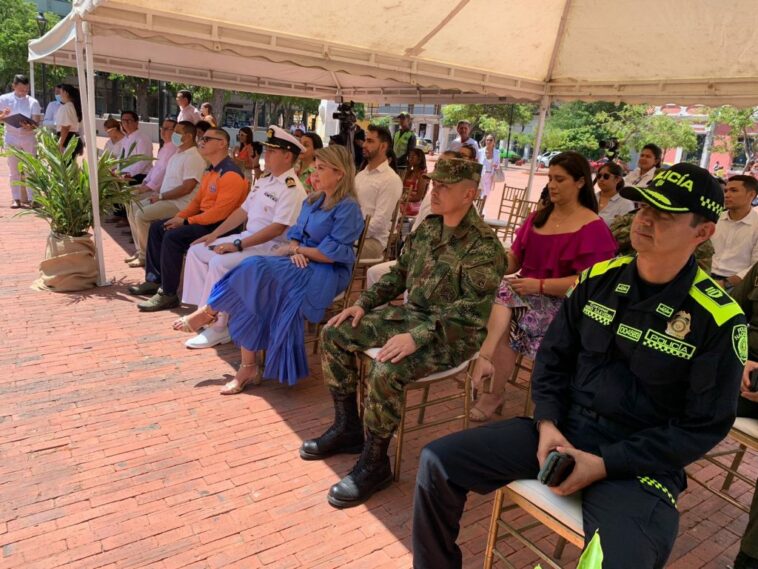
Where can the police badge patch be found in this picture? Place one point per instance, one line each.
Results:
(739, 342)
(679, 325)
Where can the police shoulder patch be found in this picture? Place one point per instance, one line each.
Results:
(739, 342)
(290, 181)
(708, 294)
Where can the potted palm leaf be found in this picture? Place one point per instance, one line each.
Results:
(62, 198)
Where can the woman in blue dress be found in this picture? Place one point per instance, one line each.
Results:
(268, 297)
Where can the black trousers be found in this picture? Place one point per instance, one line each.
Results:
(749, 543)
(166, 250)
(637, 523)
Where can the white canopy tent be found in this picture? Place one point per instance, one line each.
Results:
(637, 51)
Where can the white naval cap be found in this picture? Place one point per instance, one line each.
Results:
(279, 138)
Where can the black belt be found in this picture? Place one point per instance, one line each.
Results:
(718, 277)
(614, 426)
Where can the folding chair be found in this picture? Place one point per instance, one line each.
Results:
(521, 210)
(562, 515)
(423, 383)
(745, 432)
(510, 196)
(524, 384)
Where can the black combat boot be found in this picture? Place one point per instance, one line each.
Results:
(344, 436)
(744, 561)
(371, 473)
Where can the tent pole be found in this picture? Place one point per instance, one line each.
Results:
(537, 145)
(87, 92)
(31, 80)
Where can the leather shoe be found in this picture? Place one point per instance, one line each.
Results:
(144, 289)
(208, 338)
(159, 301)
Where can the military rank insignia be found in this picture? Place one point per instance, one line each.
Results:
(290, 181)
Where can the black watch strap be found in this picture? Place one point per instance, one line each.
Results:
(238, 244)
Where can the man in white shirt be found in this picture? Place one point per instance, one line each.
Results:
(735, 242)
(154, 179)
(187, 112)
(183, 172)
(464, 130)
(52, 108)
(19, 102)
(379, 189)
(271, 207)
(135, 142)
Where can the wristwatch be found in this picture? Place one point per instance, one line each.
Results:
(238, 244)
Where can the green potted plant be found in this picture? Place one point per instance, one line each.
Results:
(62, 197)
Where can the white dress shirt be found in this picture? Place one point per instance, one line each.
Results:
(66, 116)
(27, 106)
(455, 146)
(378, 191)
(189, 113)
(137, 143)
(616, 206)
(636, 178)
(50, 110)
(183, 165)
(115, 149)
(154, 177)
(735, 245)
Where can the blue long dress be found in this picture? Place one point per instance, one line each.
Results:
(268, 297)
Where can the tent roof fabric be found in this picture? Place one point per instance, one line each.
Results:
(638, 51)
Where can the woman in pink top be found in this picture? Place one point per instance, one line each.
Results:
(551, 248)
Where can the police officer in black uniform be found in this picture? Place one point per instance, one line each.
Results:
(637, 376)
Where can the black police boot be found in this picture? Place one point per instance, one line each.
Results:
(371, 473)
(744, 561)
(344, 436)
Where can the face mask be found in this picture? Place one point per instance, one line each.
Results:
(58, 98)
(176, 138)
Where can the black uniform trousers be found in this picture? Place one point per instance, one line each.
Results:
(749, 543)
(166, 250)
(637, 523)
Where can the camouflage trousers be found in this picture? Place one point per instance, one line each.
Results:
(384, 381)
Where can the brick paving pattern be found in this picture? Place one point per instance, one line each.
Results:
(116, 450)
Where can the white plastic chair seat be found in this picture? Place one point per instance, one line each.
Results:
(567, 510)
(747, 426)
(492, 222)
(373, 352)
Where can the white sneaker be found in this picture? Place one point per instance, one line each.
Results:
(208, 338)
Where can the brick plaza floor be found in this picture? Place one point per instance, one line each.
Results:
(116, 450)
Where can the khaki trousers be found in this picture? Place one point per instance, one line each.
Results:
(140, 220)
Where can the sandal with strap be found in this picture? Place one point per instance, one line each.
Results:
(236, 386)
(183, 323)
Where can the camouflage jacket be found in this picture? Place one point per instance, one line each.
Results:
(621, 227)
(451, 283)
(746, 295)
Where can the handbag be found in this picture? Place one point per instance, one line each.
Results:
(499, 175)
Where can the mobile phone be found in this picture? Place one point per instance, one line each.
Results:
(556, 468)
(754, 380)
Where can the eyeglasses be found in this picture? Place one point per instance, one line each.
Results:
(207, 138)
(605, 176)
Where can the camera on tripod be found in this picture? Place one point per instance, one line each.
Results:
(345, 114)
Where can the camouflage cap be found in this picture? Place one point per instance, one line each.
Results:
(453, 170)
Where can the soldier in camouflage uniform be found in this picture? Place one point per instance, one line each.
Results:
(451, 267)
(622, 225)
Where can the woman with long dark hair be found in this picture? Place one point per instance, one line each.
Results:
(610, 204)
(306, 162)
(69, 117)
(647, 164)
(414, 182)
(245, 154)
(551, 248)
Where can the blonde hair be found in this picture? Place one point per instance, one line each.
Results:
(338, 158)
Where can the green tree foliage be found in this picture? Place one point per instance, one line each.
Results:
(740, 123)
(489, 119)
(19, 25)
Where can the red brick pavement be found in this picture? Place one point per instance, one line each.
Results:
(116, 450)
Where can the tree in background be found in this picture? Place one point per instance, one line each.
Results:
(489, 119)
(740, 122)
(19, 25)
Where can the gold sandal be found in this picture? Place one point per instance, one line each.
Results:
(235, 386)
(183, 324)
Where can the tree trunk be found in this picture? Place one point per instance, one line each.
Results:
(140, 91)
(217, 102)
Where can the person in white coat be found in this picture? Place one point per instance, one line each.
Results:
(271, 207)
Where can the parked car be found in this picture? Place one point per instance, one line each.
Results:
(544, 159)
(425, 144)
